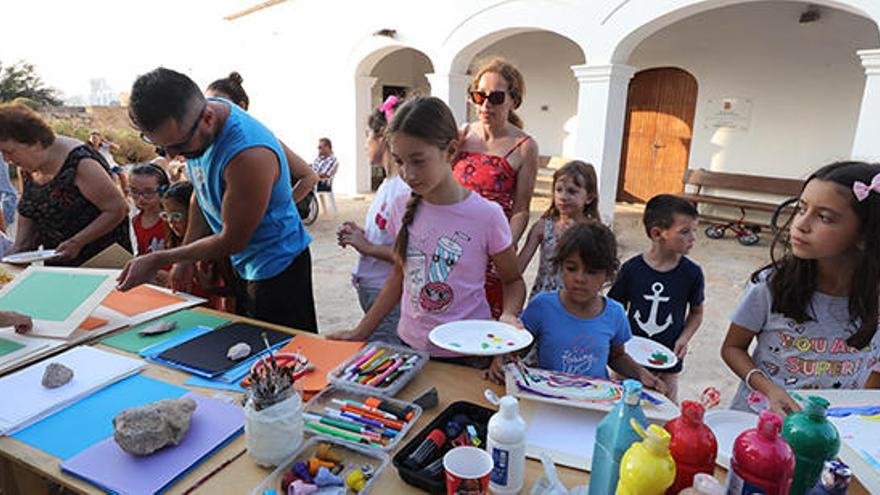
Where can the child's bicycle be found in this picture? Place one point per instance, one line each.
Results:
(747, 234)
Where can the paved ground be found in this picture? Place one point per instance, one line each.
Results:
(726, 265)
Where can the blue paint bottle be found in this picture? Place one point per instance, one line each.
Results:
(614, 436)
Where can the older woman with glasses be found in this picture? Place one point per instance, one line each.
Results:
(497, 159)
(69, 202)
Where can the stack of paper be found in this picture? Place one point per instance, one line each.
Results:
(214, 424)
(27, 400)
(57, 299)
(17, 349)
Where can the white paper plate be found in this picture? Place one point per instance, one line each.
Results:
(651, 354)
(479, 337)
(727, 424)
(29, 257)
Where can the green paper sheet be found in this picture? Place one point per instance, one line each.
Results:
(8, 346)
(51, 296)
(131, 341)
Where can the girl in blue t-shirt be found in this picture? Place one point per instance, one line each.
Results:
(577, 330)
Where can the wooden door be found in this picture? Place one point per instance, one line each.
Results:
(657, 134)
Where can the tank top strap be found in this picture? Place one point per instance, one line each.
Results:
(517, 145)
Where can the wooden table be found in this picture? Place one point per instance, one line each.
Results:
(454, 383)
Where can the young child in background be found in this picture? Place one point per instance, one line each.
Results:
(146, 185)
(576, 329)
(574, 199)
(446, 236)
(375, 243)
(210, 279)
(663, 283)
(814, 309)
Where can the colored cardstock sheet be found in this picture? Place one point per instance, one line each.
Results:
(139, 300)
(207, 353)
(132, 341)
(31, 348)
(51, 296)
(93, 370)
(105, 464)
(57, 299)
(324, 354)
(90, 420)
(8, 346)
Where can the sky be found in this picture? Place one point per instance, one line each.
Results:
(73, 42)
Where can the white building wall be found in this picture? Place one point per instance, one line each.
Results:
(805, 83)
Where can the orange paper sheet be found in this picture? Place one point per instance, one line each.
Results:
(139, 300)
(324, 354)
(92, 323)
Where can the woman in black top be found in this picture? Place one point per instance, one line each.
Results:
(69, 202)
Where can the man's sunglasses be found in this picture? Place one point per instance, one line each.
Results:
(495, 97)
(177, 146)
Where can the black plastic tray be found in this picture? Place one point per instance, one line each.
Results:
(417, 477)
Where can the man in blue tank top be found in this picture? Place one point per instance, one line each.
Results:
(243, 203)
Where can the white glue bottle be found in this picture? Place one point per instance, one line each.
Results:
(507, 446)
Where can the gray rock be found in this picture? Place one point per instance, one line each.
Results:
(238, 351)
(56, 375)
(146, 429)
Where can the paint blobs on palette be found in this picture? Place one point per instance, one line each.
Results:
(658, 358)
(455, 344)
(498, 343)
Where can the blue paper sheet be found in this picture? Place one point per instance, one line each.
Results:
(197, 381)
(85, 423)
(156, 349)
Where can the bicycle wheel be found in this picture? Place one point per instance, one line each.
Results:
(312, 213)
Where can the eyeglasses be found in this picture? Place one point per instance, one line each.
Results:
(495, 97)
(148, 194)
(175, 149)
(171, 216)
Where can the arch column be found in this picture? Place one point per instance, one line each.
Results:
(866, 144)
(451, 88)
(601, 112)
(359, 182)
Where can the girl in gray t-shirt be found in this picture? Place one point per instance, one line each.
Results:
(814, 309)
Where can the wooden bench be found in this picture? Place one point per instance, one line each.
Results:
(696, 180)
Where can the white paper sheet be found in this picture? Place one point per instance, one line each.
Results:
(566, 433)
(27, 400)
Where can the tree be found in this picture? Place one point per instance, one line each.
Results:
(22, 81)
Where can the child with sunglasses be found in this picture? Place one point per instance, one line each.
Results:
(497, 159)
(210, 277)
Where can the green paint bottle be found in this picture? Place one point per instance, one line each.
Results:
(813, 439)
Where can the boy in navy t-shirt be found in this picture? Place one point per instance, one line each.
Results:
(661, 289)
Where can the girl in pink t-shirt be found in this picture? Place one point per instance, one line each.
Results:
(446, 236)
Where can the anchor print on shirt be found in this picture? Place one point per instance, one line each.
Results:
(650, 326)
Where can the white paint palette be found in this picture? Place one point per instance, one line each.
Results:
(480, 337)
(650, 354)
(728, 424)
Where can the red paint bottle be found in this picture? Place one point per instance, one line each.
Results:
(693, 446)
(762, 461)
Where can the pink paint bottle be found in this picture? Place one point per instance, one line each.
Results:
(762, 461)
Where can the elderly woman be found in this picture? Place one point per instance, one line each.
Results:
(69, 202)
(497, 159)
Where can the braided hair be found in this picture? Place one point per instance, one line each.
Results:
(428, 119)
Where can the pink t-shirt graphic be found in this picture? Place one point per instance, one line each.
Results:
(448, 251)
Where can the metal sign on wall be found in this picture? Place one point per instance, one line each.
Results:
(729, 113)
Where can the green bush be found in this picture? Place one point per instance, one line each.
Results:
(131, 148)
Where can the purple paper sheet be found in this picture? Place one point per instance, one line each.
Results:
(108, 466)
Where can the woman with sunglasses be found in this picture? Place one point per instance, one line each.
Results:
(69, 201)
(498, 160)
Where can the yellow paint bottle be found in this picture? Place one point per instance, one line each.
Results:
(647, 468)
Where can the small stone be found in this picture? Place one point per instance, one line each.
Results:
(146, 429)
(238, 351)
(158, 328)
(56, 375)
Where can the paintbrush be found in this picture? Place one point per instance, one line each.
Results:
(271, 356)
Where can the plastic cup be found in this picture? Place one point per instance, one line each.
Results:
(467, 471)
